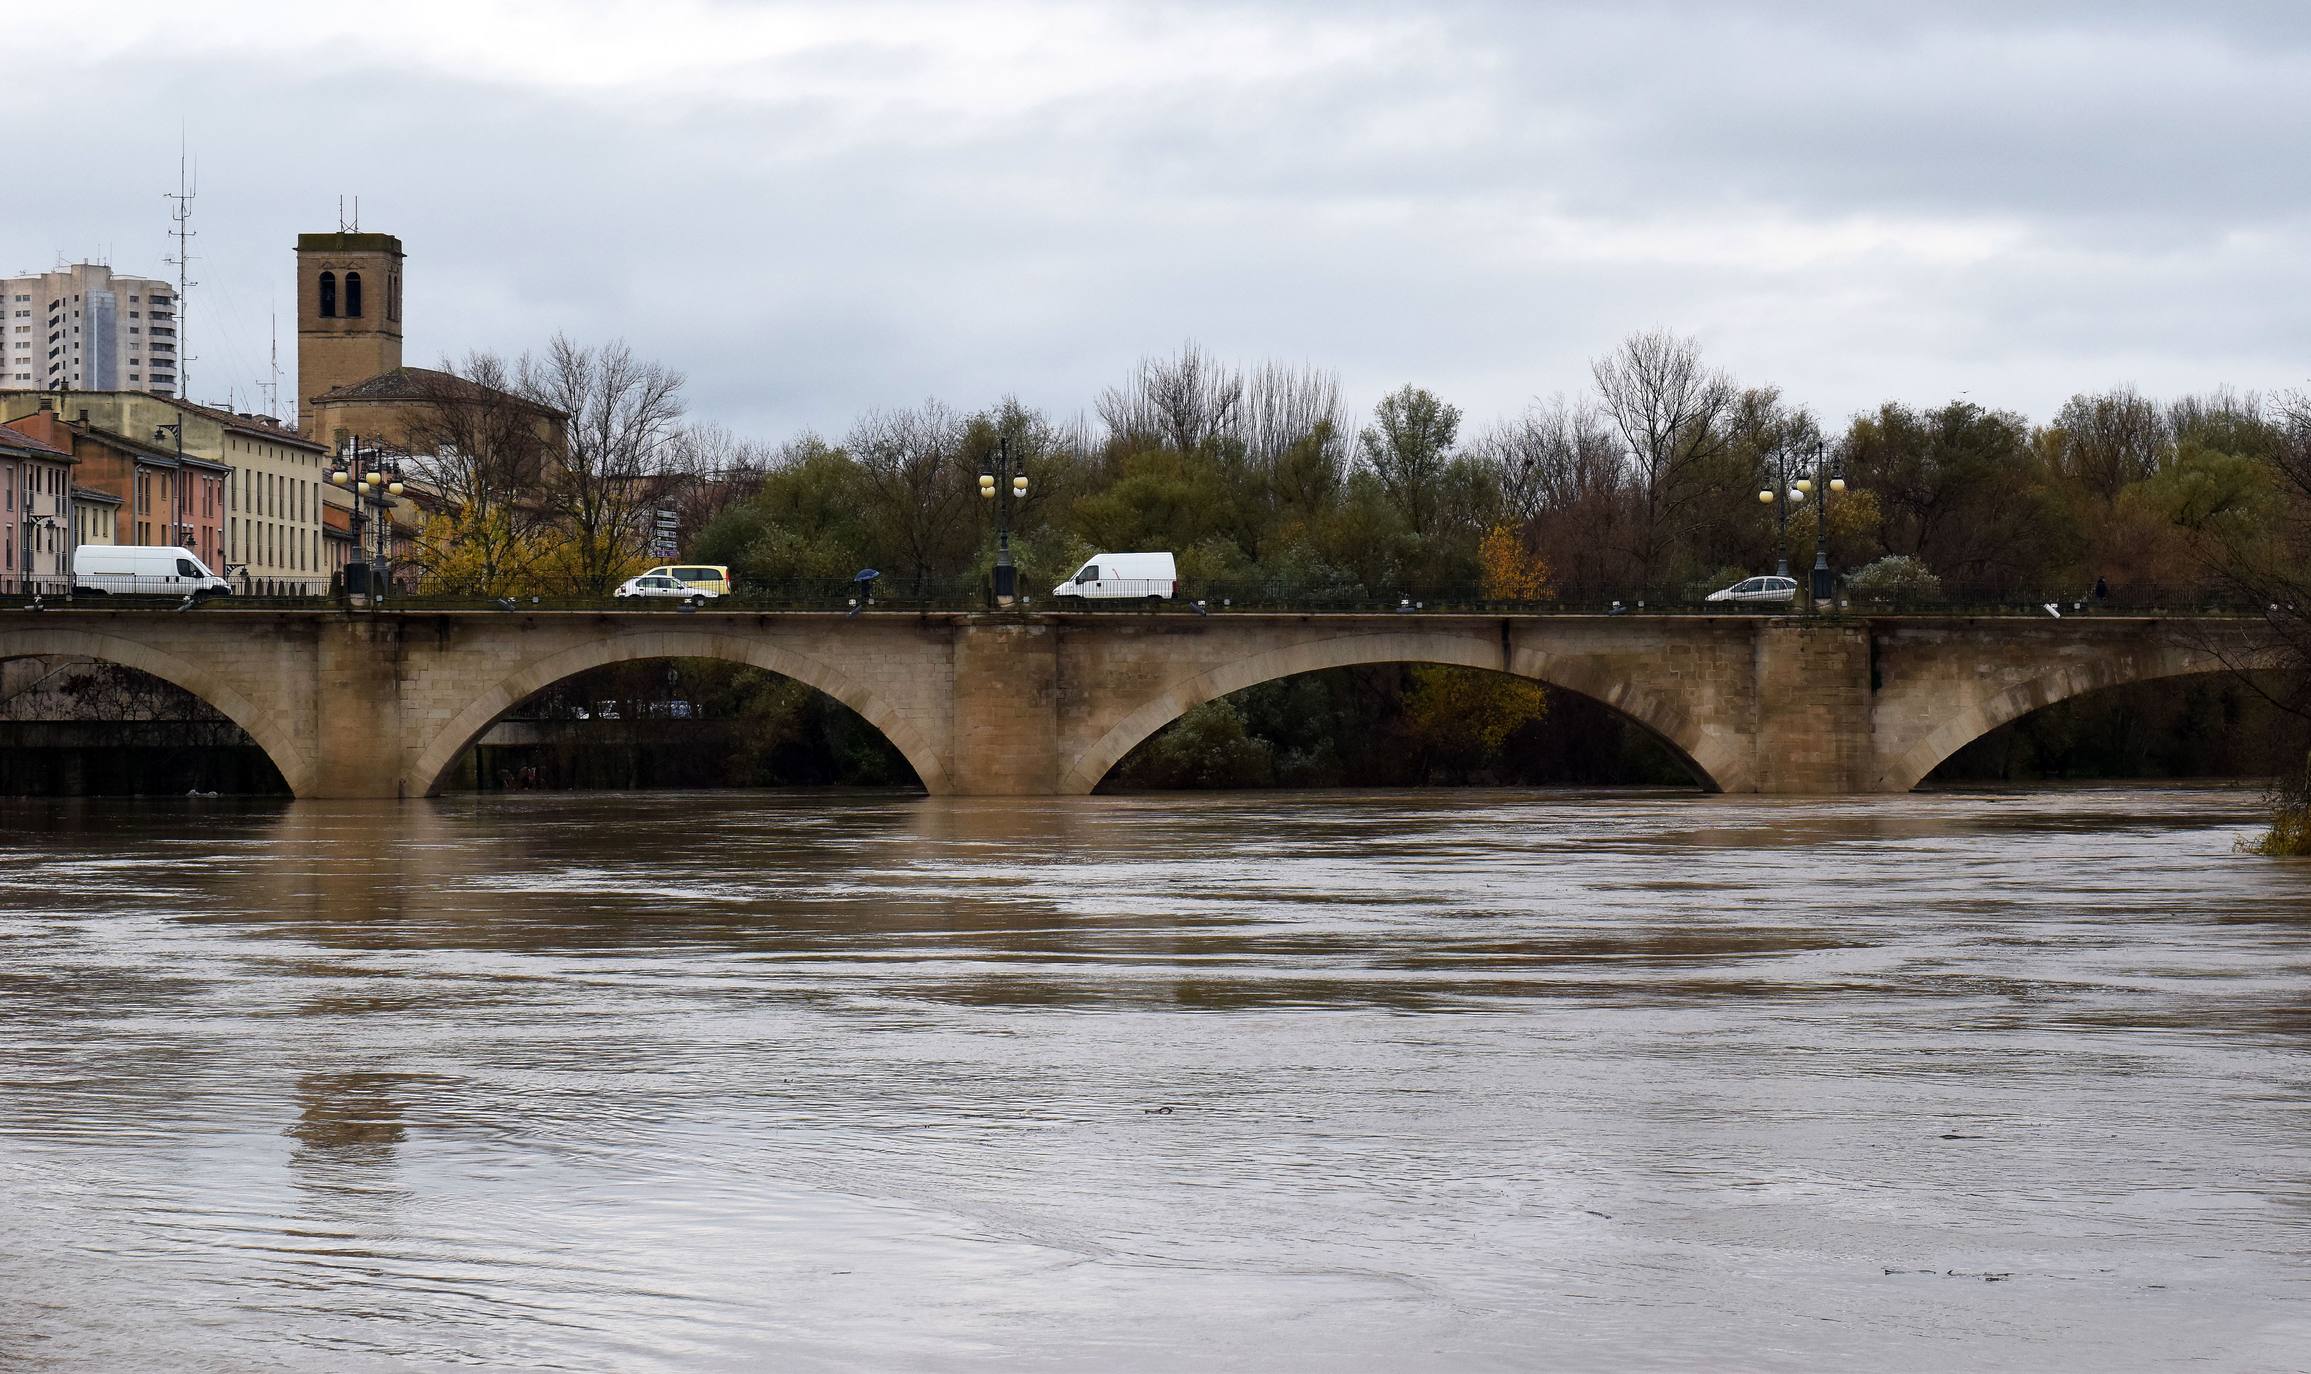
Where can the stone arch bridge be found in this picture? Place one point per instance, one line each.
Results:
(383, 705)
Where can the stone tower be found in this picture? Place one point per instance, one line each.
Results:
(348, 313)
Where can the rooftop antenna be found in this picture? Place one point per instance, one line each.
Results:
(273, 388)
(180, 229)
(348, 226)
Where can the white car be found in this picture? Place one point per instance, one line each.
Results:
(658, 584)
(1759, 589)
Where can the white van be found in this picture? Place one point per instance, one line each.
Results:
(142, 570)
(1111, 575)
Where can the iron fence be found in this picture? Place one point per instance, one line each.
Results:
(849, 597)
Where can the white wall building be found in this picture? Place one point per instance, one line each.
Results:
(89, 329)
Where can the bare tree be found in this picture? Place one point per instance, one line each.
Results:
(711, 470)
(478, 451)
(1185, 402)
(605, 479)
(911, 461)
(1561, 474)
(1669, 411)
(1296, 436)
(1284, 405)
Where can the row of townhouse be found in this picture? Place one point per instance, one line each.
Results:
(251, 497)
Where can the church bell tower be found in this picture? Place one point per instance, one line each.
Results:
(348, 313)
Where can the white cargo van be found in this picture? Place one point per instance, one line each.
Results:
(142, 570)
(1111, 575)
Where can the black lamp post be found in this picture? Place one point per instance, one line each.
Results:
(373, 479)
(1824, 581)
(1782, 490)
(1000, 483)
(177, 526)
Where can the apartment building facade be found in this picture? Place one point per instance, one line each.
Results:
(268, 480)
(35, 514)
(88, 328)
(150, 494)
(95, 517)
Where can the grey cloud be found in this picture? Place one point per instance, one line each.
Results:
(803, 259)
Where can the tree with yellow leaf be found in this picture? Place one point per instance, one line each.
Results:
(1509, 570)
(1460, 717)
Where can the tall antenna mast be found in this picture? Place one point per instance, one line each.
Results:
(273, 387)
(180, 229)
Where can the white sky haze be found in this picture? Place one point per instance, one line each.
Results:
(815, 209)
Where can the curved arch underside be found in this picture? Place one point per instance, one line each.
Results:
(1914, 764)
(1702, 752)
(433, 762)
(276, 737)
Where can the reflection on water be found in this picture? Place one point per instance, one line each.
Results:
(1469, 1080)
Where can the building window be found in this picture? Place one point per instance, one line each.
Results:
(353, 295)
(328, 295)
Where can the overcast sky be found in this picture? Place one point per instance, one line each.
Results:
(814, 209)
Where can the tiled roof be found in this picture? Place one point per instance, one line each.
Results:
(16, 438)
(425, 384)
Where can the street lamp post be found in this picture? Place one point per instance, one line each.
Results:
(1782, 492)
(373, 479)
(1000, 483)
(177, 526)
(1824, 581)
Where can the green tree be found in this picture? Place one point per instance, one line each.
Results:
(1407, 448)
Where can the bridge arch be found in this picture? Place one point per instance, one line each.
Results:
(433, 761)
(278, 738)
(1998, 705)
(1716, 765)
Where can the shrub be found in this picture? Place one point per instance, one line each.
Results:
(1895, 579)
(2290, 832)
(1207, 747)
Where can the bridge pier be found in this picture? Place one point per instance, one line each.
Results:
(359, 720)
(1005, 736)
(1814, 734)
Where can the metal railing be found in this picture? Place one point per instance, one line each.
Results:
(966, 595)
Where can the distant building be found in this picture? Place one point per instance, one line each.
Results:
(348, 315)
(36, 504)
(256, 484)
(353, 388)
(90, 329)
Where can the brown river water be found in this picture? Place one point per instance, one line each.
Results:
(1267, 1081)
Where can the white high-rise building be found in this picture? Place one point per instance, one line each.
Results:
(89, 329)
